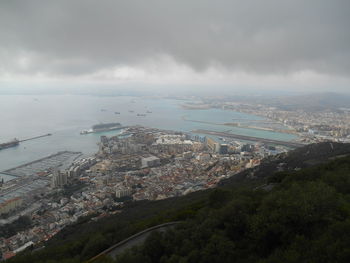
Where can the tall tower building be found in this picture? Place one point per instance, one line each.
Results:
(58, 179)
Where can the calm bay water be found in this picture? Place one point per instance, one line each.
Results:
(25, 116)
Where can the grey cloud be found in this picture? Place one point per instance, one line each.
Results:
(270, 36)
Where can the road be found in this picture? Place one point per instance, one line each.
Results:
(134, 240)
(241, 125)
(249, 138)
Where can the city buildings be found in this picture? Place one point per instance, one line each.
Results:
(150, 161)
(59, 179)
(10, 205)
(123, 192)
(147, 164)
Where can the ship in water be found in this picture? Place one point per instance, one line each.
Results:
(10, 144)
(103, 127)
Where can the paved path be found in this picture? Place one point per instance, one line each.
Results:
(134, 240)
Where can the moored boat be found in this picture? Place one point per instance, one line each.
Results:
(10, 144)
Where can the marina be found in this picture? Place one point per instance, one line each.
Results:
(43, 164)
(23, 188)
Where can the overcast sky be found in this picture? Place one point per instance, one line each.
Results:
(269, 44)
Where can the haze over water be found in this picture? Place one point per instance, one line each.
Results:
(25, 116)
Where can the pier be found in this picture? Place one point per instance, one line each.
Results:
(249, 138)
(36, 137)
(15, 142)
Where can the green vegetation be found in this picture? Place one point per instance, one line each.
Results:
(304, 217)
(85, 239)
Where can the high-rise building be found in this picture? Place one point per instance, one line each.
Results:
(58, 179)
(9, 205)
(122, 192)
(216, 147)
(247, 148)
(213, 145)
(150, 161)
(223, 148)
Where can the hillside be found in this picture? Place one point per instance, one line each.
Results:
(306, 156)
(267, 214)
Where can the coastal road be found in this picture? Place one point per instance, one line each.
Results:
(132, 241)
(249, 138)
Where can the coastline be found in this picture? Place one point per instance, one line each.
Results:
(66, 115)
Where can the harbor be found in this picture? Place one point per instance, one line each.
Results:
(42, 165)
(76, 113)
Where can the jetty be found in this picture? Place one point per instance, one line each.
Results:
(36, 137)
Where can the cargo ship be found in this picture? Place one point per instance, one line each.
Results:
(103, 127)
(10, 144)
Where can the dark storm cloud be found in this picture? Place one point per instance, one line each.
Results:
(82, 36)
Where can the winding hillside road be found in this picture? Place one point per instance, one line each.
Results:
(133, 240)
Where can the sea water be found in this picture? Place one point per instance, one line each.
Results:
(25, 116)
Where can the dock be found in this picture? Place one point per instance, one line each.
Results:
(15, 142)
(36, 137)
